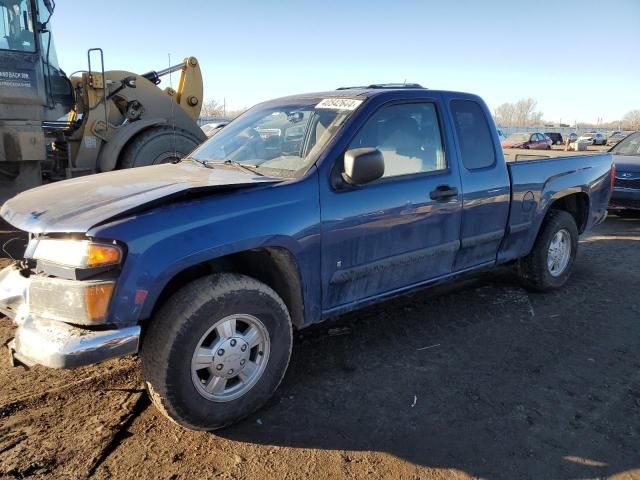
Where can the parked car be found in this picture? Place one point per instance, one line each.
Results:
(626, 192)
(534, 141)
(207, 266)
(555, 137)
(614, 139)
(594, 137)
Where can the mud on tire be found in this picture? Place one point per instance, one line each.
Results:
(533, 270)
(175, 333)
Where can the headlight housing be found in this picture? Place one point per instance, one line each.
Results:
(77, 253)
(77, 302)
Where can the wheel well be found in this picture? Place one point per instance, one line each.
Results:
(273, 266)
(577, 204)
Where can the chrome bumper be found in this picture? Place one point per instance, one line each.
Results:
(57, 344)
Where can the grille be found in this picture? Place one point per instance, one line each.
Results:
(628, 183)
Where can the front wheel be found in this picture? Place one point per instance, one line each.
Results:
(216, 351)
(550, 262)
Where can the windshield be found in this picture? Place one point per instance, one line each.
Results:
(628, 146)
(282, 138)
(519, 137)
(16, 26)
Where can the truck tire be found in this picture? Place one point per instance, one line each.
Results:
(550, 262)
(216, 351)
(157, 145)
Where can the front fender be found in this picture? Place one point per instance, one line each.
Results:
(168, 272)
(171, 238)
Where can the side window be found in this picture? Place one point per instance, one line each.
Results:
(474, 135)
(16, 26)
(408, 135)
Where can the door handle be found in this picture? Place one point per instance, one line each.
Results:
(443, 192)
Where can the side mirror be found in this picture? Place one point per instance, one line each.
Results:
(362, 165)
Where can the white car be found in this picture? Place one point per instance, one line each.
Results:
(210, 129)
(594, 137)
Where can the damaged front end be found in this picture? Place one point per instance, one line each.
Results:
(59, 297)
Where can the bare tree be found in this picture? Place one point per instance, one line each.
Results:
(211, 108)
(631, 120)
(235, 113)
(503, 115)
(526, 114)
(522, 113)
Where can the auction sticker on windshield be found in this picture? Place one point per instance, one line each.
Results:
(339, 103)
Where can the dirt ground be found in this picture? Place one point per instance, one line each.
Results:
(486, 380)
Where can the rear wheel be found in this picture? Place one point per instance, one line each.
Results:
(216, 351)
(157, 145)
(550, 262)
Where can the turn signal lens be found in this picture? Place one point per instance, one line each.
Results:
(100, 255)
(96, 300)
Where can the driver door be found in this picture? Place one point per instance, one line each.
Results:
(397, 231)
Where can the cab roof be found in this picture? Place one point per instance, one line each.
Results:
(362, 92)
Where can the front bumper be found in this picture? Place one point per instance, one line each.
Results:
(59, 345)
(52, 343)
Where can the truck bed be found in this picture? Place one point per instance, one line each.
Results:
(537, 180)
(521, 154)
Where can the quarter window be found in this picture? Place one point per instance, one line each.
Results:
(408, 135)
(474, 135)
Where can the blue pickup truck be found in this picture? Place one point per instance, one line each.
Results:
(303, 208)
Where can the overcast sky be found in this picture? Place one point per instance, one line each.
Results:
(579, 59)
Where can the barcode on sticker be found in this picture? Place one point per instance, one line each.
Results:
(339, 103)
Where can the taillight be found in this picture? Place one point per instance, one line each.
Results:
(612, 178)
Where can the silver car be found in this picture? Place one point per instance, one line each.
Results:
(594, 137)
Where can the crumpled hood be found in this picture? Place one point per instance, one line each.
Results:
(77, 205)
(627, 163)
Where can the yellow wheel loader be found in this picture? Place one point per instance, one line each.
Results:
(54, 127)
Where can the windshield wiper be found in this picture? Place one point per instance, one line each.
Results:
(204, 163)
(241, 166)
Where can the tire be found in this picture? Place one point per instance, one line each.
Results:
(176, 332)
(157, 145)
(534, 270)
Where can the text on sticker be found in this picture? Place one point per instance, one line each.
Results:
(339, 103)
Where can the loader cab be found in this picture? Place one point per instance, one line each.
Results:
(30, 77)
(17, 26)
